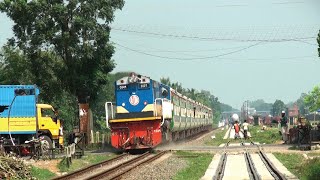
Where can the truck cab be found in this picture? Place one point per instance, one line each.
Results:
(49, 125)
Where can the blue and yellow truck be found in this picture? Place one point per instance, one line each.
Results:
(22, 119)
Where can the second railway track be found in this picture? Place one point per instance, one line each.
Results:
(253, 165)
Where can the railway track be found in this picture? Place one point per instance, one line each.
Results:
(258, 165)
(269, 165)
(105, 170)
(222, 164)
(90, 169)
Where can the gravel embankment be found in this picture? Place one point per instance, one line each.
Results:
(163, 169)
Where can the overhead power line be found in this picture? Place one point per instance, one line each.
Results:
(187, 59)
(149, 49)
(296, 2)
(220, 37)
(219, 56)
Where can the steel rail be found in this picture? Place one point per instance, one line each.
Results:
(124, 166)
(222, 164)
(253, 173)
(119, 166)
(272, 169)
(87, 169)
(269, 165)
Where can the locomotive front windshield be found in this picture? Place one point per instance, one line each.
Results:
(133, 86)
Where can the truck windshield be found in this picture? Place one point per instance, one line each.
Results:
(47, 113)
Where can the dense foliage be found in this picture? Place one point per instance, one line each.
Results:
(226, 107)
(63, 47)
(277, 107)
(260, 105)
(312, 99)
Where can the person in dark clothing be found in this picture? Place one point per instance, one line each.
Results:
(284, 126)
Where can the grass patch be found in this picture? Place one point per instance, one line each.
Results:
(313, 154)
(299, 166)
(197, 165)
(292, 162)
(41, 174)
(269, 136)
(86, 160)
(311, 169)
(219, 138)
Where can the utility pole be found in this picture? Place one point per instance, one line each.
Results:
(247, 111)
(242, 111)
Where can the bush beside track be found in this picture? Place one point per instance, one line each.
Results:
(304, 169)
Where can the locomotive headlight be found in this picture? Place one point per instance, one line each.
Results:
(123, 104)
(145, 103)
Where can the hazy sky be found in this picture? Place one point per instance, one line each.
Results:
(238, 50)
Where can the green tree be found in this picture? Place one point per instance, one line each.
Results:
(226, 107)
(312, 99)
(191, 93)
(15, 68)
(277, 107)
(260, 105)
(165, 81)
(75, 32)
(301, 104)
(178, 87)
(62, 46)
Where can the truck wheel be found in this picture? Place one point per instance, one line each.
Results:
(46, 143)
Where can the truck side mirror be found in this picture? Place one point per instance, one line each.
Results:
(55, 119)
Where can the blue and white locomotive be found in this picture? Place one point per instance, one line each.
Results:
(148, 112)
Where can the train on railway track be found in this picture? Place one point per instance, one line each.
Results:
(147, 113)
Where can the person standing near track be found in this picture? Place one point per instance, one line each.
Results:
(236, 130)
(236, 127)
(245, 126)
(284, 126)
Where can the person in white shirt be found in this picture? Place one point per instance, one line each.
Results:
(245, 126)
